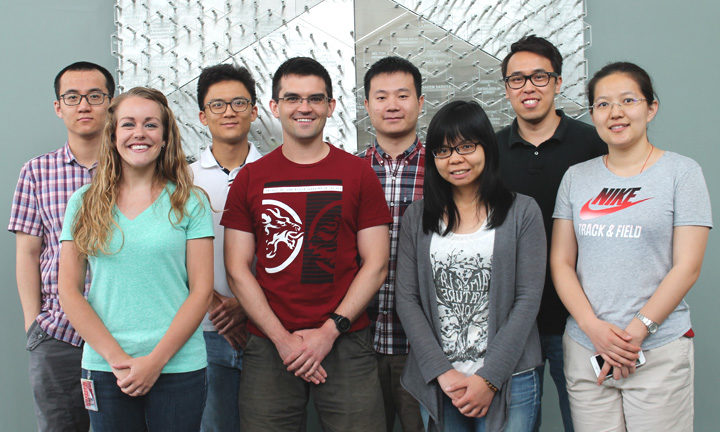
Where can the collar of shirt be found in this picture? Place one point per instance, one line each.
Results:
(516, 139)
(207, 159)
(381, 156)
(69, 157)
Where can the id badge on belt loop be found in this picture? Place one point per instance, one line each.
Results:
(88, 390)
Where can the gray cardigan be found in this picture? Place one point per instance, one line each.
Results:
(516, 284)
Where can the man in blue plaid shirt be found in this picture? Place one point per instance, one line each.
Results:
(393, 100)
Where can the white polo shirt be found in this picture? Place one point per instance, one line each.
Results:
(209, 175)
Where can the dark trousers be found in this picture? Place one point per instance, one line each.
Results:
(552, 351)
(54, 370)
(273, 399)
(397, 400)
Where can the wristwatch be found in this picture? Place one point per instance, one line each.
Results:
(342, 323)
(651, 325)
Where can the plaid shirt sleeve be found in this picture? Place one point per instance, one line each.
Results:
(25, 215)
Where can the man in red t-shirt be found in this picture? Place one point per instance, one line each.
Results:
(317, 219)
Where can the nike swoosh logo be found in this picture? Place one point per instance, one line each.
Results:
(587, 213)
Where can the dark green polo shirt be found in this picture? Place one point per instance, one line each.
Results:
(537, 171)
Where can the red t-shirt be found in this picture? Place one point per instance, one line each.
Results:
(305, 219)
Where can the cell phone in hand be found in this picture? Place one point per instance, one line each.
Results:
(598, 362)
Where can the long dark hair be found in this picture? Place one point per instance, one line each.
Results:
(455, 121)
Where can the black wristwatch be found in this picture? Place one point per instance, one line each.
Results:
(342, 323)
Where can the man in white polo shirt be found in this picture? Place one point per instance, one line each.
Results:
(227, 102)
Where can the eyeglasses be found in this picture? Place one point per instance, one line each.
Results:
(219, 106)
(464, 148)
(606, 106)
(316, 99)
(93, 98)
(539, 79)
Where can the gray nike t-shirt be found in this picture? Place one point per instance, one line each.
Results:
(624, 228)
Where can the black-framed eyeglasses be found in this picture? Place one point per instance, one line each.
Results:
(316, 99)
(539, 79)
(464, 148)
(219, 106)
(92, 98)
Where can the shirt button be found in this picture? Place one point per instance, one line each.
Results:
(384, 312)
(537, 153)
(392, 204)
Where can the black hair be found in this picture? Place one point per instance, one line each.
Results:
(454, 121)
(86, 66)
(389, 65)
(224, 72)
(539, 46)
(635, 72)
(303, 66)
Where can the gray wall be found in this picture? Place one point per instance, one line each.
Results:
(36, 40)
(672, 43)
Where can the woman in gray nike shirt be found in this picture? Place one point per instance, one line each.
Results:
(628, 242)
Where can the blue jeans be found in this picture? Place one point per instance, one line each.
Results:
(222, 412)
(524, 406)
(175, 403)
(552, 351)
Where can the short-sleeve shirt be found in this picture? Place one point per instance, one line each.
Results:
(216, 181)
(138, 289)
(43, 189)
(536, 171)
(624, 228)
(402, 181)
(305, 218)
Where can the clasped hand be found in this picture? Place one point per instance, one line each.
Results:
(304, 350)
(469, 394)
(229, 319)
(619, 348)
(136, 376)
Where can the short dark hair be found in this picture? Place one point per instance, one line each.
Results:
(635, 72)
(539, 46)
(303, 66)
(462, 120)
(81, 66)
(224, 72)
(86, 66)
(389, 65)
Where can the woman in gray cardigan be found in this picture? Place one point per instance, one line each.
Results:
(471, 267)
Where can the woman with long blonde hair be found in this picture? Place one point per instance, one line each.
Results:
(146, 233)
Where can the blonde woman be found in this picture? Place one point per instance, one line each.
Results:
(146, 234)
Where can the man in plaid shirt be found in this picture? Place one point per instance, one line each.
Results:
(393, 100)
(83, 91)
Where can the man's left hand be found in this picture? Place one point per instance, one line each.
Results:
(317, 343)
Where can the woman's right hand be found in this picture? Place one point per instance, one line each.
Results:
(139, 374)
(612, 343)
(449, 380)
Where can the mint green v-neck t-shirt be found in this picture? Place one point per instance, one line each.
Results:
(137, 290)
